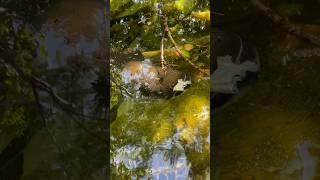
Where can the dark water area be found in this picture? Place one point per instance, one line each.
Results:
(272, 131)
(69, 65)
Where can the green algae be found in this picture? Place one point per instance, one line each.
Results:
(161, 117)
(151, 122)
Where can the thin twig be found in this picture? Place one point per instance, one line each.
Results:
(42, 85)
(64, 104)
(178, 50)
(163, 61)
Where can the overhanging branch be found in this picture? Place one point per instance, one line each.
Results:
(284, 24)
(44, 86)
(168, 32)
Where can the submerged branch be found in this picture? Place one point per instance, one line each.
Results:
(292, 29)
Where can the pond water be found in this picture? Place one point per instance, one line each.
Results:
(163, 137)
(157, 133)
(272, 132)
(71, 53)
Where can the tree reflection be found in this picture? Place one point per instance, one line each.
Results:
(52, 117)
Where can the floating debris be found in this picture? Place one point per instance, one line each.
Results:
(181, 85)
